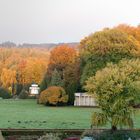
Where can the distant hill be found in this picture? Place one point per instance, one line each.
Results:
(8, 44)
(44, 45)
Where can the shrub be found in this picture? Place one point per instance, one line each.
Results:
(53, 96)
(23, 94)
(52, 136)
(5, 94)
(108, 135)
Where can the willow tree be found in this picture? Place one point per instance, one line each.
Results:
(115, 87)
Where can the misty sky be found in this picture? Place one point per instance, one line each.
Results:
(45, 21)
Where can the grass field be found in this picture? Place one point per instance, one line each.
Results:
(28, 114)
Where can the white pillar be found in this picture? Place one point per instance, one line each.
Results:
(91, 103)
(88, 101)
(79, 101)
(75, 101)
(84, 100)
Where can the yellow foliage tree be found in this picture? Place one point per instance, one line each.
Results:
(130, 30)
(35, 69)
(24, 65)
(53, 96)
(8, 78)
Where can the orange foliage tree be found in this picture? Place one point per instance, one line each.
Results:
(22, 65)
(8, 78)
(130, 30)
(31, 70)
(62, 58)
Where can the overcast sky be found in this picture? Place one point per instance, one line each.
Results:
(45, 21)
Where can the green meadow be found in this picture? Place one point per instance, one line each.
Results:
(28, 114)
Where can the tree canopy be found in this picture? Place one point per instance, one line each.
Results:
(20, 67)
(109, 45)
(130, 30)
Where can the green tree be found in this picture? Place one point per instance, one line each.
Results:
(43, 84)
(4, 93)
(115, 88)
(56, 79)
(109, 45)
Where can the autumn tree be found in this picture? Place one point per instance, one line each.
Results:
(5, 53)
(130, 30)
(35, 69)
(60, 58)
(54, 95)
(8, 78)
(31, 70)
(21, 71)
(109, 45)
(28, 65)
(72, 80)
(63, 60)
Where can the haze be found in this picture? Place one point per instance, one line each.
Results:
(45, 21)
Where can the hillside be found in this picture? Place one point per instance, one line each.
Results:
(9, 44)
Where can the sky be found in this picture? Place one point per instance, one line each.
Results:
(57, 21)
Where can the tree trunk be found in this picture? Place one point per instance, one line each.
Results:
(37, 97)
(113, 128)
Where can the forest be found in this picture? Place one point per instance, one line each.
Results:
(19, 67)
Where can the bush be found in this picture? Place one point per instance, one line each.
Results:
(53, 96)
(23, 94)
(52, 136)
(109, 135)
(4, 93)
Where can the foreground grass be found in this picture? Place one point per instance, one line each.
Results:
(28, 114)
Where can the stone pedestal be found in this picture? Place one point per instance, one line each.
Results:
(1, 137)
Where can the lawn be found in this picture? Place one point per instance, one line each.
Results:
(28, 114)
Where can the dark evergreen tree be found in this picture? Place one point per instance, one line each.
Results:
(56, 79)
(43, 84)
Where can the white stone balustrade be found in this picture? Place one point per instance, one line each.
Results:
(84, 99)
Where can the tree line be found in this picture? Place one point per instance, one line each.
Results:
(66, 66)
(19, 67)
